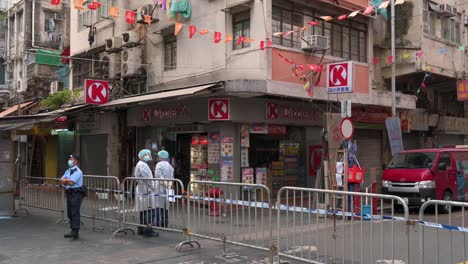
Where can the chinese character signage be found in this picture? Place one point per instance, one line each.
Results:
(462, 90)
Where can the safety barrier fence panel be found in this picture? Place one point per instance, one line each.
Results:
(159, 203)
(351, 227)
(104, 198)
(443, 232)
(42, 193)
(232, 213)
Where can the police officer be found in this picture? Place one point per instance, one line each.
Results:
(72, 180)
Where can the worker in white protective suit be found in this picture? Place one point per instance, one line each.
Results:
(145, 202)
(164, 170)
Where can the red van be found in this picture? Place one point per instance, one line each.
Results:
(424, 174)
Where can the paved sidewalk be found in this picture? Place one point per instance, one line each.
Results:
(38, 239)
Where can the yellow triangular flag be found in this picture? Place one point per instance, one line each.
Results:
(353, 14)
(399, 2)
(326, 18)
(114, 12)
(384, 4)
(277, 34)
(229, 38)
(177, 28)
(406, 56)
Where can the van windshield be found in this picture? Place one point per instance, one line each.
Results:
(417, 160)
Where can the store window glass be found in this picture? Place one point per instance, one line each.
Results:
(281, 155)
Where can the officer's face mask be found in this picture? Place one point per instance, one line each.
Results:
(70, 163)
(147, 158)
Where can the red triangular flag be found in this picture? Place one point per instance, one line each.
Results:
(376, 60)
(312, 67)
(130, 17)
(55, 2)
(314, 23)
(262, 45)
(419, 54)
(368, 10)
(390, 59)
(342, 17)
(192, 31)
(423, 85)
(217, 37)
(240, 39)
(269, 43)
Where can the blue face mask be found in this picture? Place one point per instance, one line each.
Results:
(70, 163)
(147, 158)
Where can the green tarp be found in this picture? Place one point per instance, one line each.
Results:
(46, 57)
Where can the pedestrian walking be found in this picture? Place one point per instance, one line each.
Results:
(72, 180)
(163, 170)
(145, 194)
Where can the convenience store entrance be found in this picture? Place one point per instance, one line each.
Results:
(182, 156)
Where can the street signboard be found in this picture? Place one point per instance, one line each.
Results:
(347, 128)
(218, 109)
(462, 90)
(97, 92)
(340, 77)
(394, 134)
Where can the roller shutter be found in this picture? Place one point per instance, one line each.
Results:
(411, 141)
(93, 154)
(369, 151)
(6, 175)
(445, 140)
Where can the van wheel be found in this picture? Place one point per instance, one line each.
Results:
(448, 196)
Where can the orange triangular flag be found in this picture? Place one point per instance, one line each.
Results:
(326, 18)
(78, 4)
(248, 40)
(148, 19)
(229, 38)
(114, 12)
(177, 28)
(304, 28)
(203, 32)
(399, 2)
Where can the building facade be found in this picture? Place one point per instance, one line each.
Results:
(431, 37)
(164, 88)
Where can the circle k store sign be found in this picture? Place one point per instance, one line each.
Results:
(277, 111)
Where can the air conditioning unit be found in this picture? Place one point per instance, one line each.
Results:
(131, 38)
(114, 44)
(465, 20)
(446, 10)
(56, 86)
(58, 16)
(110, 65)
(314, 42)
(131, 61)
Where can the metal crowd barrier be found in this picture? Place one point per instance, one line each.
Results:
(41, 193)
(103, 201)
(448, 229)
(347, 230)
(234, 213)
(146, 199)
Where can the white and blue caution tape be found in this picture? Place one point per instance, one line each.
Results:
(444, 226)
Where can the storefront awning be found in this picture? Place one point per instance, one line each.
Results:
(157, 96)
(14, 108)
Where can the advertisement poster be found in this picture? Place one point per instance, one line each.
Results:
(276, 130)
(261, 176)
(245, 136)
(244, 157)
(226, 171)
(227, 147)
(214, 153)
(259, 129)
(248, 175)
